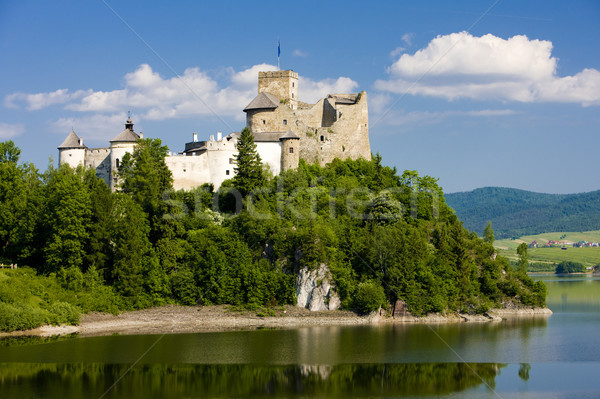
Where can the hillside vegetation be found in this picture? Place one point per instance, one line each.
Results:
(516, 213)
(383, 236)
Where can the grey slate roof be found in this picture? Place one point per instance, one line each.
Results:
(289, 135)
(126, 136)
(263, 101)
(265, 137)
(72, 141)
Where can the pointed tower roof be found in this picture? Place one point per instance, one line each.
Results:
(127, 135)
(72, 141)
(263, 101)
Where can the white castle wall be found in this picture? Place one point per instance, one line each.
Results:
(72, 156)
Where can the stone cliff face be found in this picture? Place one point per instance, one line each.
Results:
(314, 290)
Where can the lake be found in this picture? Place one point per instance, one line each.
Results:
(540, 357)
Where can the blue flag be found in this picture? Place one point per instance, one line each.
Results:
(278, 48)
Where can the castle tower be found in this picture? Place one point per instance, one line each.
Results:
(282, 84)
(123, 143)
(72, 151)
(290, 151)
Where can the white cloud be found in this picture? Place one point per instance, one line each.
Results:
(8, 130)
(34, 102)
(152, 97)
(299, 53)
(408, 38)
(460, 65)
(397, 51)
(93, 127)
(311, 91)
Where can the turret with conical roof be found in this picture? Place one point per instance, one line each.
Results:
(72, 150)
(120, 145)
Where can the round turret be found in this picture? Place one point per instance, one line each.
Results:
(72, 151)
(122, 144)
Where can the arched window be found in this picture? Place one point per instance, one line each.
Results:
(117, 163)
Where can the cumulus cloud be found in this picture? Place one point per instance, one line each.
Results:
(460, 65)
(8, 130)
(312, 90)
(37, 101)
(153, 97)
(93, 127)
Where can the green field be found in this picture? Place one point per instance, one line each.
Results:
(587, 256)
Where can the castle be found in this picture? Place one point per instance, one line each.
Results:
(284, 129)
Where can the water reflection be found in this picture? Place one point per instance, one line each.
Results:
(24, 380)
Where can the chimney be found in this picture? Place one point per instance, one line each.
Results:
(219, 136)
(141, 135)
(212, 137)
(195, 137)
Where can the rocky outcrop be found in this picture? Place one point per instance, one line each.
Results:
(315, 291)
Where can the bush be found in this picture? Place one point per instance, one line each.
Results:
(20, 317)
(369, 297)
(64, 313)
(569, 267)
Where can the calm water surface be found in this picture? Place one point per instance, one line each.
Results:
(543, 357)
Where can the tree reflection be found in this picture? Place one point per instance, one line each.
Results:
(169, 381)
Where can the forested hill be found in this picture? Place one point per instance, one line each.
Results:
(516, 212)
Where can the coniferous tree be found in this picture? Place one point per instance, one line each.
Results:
(488, 234)
(523, 257)
(249, 173)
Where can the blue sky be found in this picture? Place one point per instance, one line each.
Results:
(478, 93)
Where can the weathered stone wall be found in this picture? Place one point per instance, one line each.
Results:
(327, 130)
(290, 154)
(99, 159)
(283, 84)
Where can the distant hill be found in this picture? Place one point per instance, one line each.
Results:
(515, 213)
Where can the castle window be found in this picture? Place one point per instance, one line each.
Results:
(292, 84)
(291, 150)
(117, 162)
(322, 138)
(264, 122)
(231, 161)
(227, 172)
(292, 95)
(285, 121)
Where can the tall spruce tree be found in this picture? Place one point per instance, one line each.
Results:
(249, 173)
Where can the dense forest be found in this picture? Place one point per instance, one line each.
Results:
(383, 236)
(515, 213)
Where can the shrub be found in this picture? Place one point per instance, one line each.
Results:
(570, 267)
(369, 297)
(64, 313)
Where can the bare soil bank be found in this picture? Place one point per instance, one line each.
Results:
(174, 319)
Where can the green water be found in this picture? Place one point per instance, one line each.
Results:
(542, 357)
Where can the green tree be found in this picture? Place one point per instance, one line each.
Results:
(67, 215)
(488, 234)
(146, 177)
(249, 173)
(13, 198)
(523, 257)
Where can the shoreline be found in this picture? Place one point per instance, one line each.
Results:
(175, 319)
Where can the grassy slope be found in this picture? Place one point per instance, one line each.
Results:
(587, 256)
